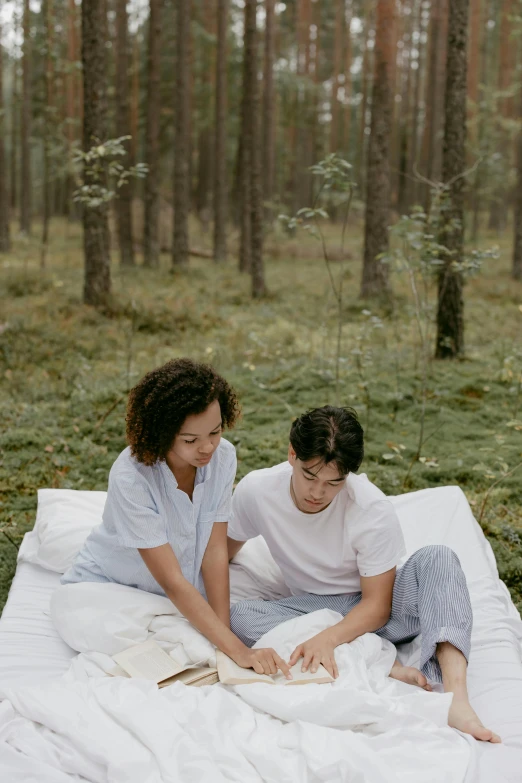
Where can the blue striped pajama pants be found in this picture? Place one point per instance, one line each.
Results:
(430, 598)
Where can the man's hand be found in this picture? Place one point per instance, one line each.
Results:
(317, 650)
(263, 661)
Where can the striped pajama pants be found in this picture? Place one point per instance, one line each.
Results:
(430, 598)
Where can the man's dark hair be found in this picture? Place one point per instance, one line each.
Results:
(159, 404)
(329, 434)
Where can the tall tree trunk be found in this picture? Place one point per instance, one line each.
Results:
(5, 241)
(517, 247)
(47, 8)
(404, 115)
(97, 284)
(347, 114)
(450, 310)
(71, 102)
(244, 159)
(434, 101)
(180, 243)
(25, 126)
(337, 54)
(220, 137)
(252, 224)
(269, 99)
(411, 184)
(123, 128)
(375, 281)
(15, 113)
(151, 245)
(366, 76)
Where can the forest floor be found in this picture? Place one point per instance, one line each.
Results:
(65, 370)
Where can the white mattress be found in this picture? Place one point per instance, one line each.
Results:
(31, 650)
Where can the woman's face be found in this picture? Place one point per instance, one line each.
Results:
(198, 438)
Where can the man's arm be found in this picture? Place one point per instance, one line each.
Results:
(233, 547)
(214, 569)
(370, 614)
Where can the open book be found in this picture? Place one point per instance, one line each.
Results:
(150, 662)
(232, 674)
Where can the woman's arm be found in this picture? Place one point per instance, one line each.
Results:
(164, 567)
(233, 547)
(214, 569)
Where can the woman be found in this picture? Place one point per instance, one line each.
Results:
(164, 524)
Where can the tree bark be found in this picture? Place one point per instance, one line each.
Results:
(15, 113)
(411, 184)
(151, 244)
(252, 223)
(347, 114)
(5, 241)
(123, 128)
(97, 283)
(25, 125)
(71, 102)
(337, 54)
(180, 243)
(269, 99)
(517, 246)
(450, 310)
(220, 137)
(434, 100)
(375, 279)
(47, 9)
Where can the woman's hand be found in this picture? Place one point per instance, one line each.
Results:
(263, 661)
(317, 650)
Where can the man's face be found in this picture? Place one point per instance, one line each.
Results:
(314, 484)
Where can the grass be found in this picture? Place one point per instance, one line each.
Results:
(65, 370)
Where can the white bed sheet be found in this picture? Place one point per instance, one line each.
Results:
(31, 650)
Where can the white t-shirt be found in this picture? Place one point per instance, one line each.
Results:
(325, 553)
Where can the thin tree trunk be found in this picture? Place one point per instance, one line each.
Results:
(47, 8)
(15, 113)
(269, 99)
(97, 283)
(405, 114)
(337, 54)
(434, 100)
(71, 108)
(375, 281)
(347, 115)
(517, 247)
(180, 243)
(5, 240)
(366, 88)
(25, 123)
(450, 310)
(151, 244)
(411, 185)
(123, 128)
(220, 137)
(252, 223)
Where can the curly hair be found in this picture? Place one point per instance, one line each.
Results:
(159, 404)
(329, 434)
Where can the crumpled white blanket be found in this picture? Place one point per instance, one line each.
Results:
(87, 726)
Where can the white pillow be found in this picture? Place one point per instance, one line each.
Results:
(64, 519)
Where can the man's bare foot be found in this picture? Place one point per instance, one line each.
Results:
(464, 718)
(409, 675)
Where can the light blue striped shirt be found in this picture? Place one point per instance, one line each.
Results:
(145, 509)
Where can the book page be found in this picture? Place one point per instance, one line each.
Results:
(200, 675)
(232, 674)
(149, 661)
(320, 677)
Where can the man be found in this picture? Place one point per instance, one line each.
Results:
(338, 541)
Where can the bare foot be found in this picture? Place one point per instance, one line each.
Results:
(409, 675)
(464, 718)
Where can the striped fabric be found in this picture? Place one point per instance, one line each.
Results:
(145, 509)
(430, 598)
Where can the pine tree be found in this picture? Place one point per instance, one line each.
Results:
(220, 136)
(151, 245)
(375, 280)
(517, 247)
(180, 244)
(97, 283)
(123, 128)
(450, 310)
(25, 125)
(5, 241)
(269, 100)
